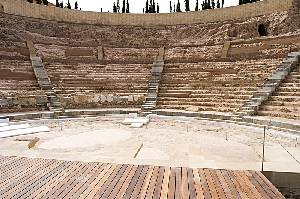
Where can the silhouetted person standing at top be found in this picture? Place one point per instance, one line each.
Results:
(222, 3)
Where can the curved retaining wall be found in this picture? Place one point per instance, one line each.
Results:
(23, 8)
(292, 127)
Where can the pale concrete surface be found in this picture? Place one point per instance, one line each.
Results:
(167, 141)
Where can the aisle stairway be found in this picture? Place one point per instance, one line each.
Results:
(153, 87)
(264, 93)
(43, 80)
(285, 101)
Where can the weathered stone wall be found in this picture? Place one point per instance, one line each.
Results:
(23, 8)
(295, 15)
(1, 8)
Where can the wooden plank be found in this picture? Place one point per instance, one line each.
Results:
(243, 186)
(217, 184)
(165, 183)
(120, 183)
(68, 173)
(105, 168)
(10, 184)
(157, 189)
(210, 188)
(67, 183)
(102, 180)
(54, 182)
(172, 183)
(15, 169)
(146, 182)
(139, 184)
(150, 191)
(6, 163)
(258, 187)
(262, 185)
(249, 184)
(226, 188)
(227, 178)
(123, 189)
(19, 186)
(178, 183)
(107, 183)
(114, 182)
(191, 184)
(79, 181)
(94, 173)
(198, 185)
(19, 175)
(184, 184)
(133, 182)
(38, 178)
(41, 181)
(269, 185)
(237, 186)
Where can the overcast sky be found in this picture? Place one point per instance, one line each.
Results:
(136, 6)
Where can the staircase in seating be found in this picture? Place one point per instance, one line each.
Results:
(43, 80)
(262, 94)
(153, 86)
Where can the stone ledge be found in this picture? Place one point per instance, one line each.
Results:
(293, 127)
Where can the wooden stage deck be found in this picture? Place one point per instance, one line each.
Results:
(40, 178)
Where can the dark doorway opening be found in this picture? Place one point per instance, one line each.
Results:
(262, 30)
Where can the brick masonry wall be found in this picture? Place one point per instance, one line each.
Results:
(23, 8)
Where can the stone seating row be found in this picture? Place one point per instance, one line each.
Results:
(285, 102)
(205, 86)
(17, 75)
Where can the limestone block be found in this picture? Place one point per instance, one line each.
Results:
(110, 98)
(193, 109)
(102, 98)
(31, 49)
(136, 98)
(81, 99)
(225, 49)
(130, 98)
(100, 53)
(96, 98)
(3, 102)
(161, 53)
(66, 100)
(157, 69)
(117, 99)
(123, 99)
(41, 100)
(132, 115)
(136, 125)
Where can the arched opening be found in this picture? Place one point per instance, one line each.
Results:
(262, 30)
(1, 8)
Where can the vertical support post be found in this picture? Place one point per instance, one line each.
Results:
(263, 152)
(225, 49)
(100, 53)
(161, 54)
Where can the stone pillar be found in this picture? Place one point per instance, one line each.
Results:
(100, 53)
(161, 54)
(31, 48)
(295, 15)
(225, 49)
